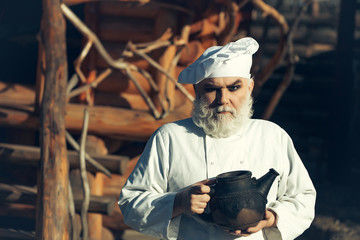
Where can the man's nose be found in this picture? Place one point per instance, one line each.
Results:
(222, 97)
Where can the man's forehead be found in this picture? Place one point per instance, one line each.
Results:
(222, 81)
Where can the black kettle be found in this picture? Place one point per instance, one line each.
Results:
(237, 200)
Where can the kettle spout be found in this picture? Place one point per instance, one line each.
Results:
(264, 183)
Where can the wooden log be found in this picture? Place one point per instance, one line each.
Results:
(107, 234)
(29, 155)
(88, 96)
(123, 100)
(118, 123)
(16, 94)
(98, 204)
(125, 29)
(191, 52)
(16, 234)
(118, 82)
(52, 215)
(91, 18)
(13, 196)
(74, 2)
(95, 145)
(115, 49)
(40, 81)
(18, 210)
(166, 20)
(166, 87)
(127, 9)
(115, 221)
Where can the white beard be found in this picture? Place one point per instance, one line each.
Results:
(221, 125)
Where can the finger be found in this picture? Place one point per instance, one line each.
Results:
(198, 210)
(235, 232)
(258, 227)
(209, 181)
(200, 189)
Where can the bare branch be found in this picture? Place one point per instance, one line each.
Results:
(72, 83)
(92, 161)
(90, 35)
(93, 84)
(291, 62)
(84, 179)
(161, 69)
(72, 213)
(281, 51)
(143, 94)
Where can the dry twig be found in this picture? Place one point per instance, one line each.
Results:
(161, 69)
(72, 213)
(281, 51)
(120, 64)
(291, 62)
(92, 161)
(231, 26)
(84, 179)
(87, 32)
(93, 84)
(144, 94)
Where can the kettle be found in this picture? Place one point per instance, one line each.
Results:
(237, 200)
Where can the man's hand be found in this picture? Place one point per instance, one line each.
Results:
(268, 221)
(192, 199)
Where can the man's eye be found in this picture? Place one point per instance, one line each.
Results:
(209, 89)
(234, 88)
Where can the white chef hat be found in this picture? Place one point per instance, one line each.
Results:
(232, 60)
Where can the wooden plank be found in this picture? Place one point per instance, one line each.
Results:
(52, 210)
(123, 100)
(16, 234)
(14, 195)
(118, 123)
(117, 82)
(135, 9)
(126, 29)
(30, 155)
(96, 145)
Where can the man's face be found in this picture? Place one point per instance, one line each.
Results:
(224, 91)
(223, 105)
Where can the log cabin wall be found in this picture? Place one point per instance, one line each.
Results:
(314, 43)
(305, 109)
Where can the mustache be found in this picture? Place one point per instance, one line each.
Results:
(225, 109)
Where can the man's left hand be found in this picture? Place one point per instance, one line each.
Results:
(268, 221)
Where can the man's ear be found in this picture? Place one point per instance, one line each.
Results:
(251, 85)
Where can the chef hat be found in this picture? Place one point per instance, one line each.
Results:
(232, 60)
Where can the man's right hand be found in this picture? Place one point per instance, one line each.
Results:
(192, 199)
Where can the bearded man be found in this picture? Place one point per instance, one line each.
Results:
(169, 186)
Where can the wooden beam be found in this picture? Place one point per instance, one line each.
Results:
(118, 123)
(30, 155)
(16, 234)
(14, 194)
(52, 210)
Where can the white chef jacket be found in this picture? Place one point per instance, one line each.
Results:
(180, 154)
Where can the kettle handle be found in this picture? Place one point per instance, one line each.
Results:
(212, 189)
(206, 215)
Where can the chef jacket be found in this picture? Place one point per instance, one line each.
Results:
(180, 154)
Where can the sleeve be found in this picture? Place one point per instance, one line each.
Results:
(295, 204)
(144, 201)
